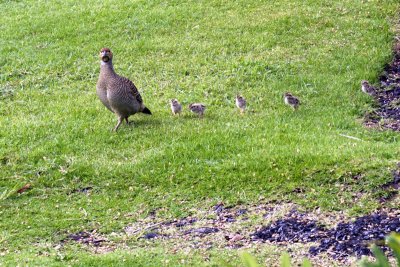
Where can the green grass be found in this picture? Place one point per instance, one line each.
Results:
(55, 134)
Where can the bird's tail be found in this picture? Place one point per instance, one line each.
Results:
(146, 111)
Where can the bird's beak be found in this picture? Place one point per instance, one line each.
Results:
(104, 56)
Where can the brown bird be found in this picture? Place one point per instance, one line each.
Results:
(117, 93)
(291, 100)
(241, 103)
(197, 108)
(367, 88)
(176, 107)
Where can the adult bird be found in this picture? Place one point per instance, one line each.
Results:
(117, 93)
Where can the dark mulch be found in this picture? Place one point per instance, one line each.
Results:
(232, 227)
(86, 237)
(392, 187)
(344, 239)
(387, 115)
(295, 228)
(347, 238)
(395, 183)
(203, 231)
(151, 235)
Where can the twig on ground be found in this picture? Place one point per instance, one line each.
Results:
(351, 137)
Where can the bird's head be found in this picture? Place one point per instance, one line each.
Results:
(105, 54)
(174, 101)
(287, 94)
(364, 82)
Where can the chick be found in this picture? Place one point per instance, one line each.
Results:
(176, 107)
(197, 108)
(241, 103)
(117, 93)
(291, 100)
(367, 88)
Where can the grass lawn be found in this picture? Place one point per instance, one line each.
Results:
(55, 133)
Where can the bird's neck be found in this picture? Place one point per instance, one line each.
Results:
(107, 68)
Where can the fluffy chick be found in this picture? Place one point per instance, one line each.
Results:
(176, 107)
(241, 103)
(197, 108)
(291, 100)
(367, 88)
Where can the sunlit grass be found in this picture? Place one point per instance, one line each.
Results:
(55, 134)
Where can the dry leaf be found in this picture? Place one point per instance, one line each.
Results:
(24, 188)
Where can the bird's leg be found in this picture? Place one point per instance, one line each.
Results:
(120, 119)
(128, 122)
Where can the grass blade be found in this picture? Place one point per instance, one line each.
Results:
(248, 260)
(381, 259)
(393, 240)
(285, 260)
(306, 263)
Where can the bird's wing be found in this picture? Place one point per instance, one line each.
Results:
(132, 89)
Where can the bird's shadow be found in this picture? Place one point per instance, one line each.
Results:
(154, 121)
(143, 121)
(139, 122)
